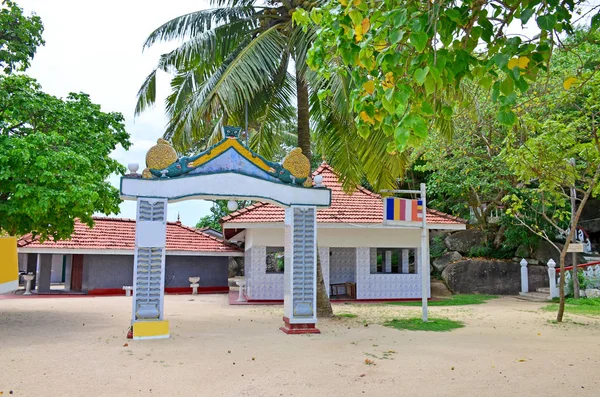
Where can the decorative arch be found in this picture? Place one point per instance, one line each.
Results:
(231, 171)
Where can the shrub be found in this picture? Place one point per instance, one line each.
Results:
(437, 247)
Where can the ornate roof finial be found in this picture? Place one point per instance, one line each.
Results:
(178, 218)
(231, 132)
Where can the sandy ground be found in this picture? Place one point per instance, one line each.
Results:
(77, 347)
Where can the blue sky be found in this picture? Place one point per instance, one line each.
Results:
(96, 48)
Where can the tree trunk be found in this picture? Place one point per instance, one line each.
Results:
(574, 240)
(303, 117)
(323, 304)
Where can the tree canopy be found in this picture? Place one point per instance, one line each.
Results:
(20, 36)
(54, 152)
(408, 59)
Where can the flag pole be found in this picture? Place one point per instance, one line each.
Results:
(424, 254)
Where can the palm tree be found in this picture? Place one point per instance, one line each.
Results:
(240, 54)
(235, 54)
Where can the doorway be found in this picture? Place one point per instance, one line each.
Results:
(77, 273)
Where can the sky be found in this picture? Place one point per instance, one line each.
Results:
(96, 48)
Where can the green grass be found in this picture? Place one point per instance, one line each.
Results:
(416, 324)
(454, 300)
(346, 315)
(585, 306)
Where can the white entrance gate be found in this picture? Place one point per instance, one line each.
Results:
(227, 171)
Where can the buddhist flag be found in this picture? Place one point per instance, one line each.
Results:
(397, 209)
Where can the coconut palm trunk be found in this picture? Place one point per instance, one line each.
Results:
(303, 117)
(323, 304)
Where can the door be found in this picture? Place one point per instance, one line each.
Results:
(77, 273)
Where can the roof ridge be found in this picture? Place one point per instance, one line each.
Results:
(445, 215)
(109, 218)
(241, 211)
(325, 166)
(200, 232)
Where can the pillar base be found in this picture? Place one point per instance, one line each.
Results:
(296, 329)
(152, 329)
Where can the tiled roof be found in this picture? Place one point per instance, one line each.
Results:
(119, 234)
(361, 206)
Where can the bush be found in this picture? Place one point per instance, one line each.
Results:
(437, 247)
(484, 251)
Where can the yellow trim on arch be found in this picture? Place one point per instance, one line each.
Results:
(227, 144)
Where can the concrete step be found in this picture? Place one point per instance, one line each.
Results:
(545, 290)
(534, 297)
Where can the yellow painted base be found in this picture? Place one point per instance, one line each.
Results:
(9, 265)
(151, 329)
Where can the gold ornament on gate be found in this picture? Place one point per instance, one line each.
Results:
(297, 164)
(161, 155)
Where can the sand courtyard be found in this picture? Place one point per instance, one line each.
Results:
(78, 346)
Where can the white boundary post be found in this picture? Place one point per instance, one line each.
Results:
(552, 278)
(424, 255)
(524, 277)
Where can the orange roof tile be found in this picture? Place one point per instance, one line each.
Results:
(361, 206)
(119, 234)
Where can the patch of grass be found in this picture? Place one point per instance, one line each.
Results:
(346, 315)
(454, 300)
(585, 306)
(416, 324)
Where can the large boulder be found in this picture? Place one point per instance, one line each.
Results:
(589, 216)
(440, 263)
(491, 277)
(462, 241)
(235, 267)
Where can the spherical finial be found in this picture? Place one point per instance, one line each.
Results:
(133, 167)
(160, 155)
(297, 163)
(232, 205)
(318, 181)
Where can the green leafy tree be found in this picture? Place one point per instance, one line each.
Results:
(407, 60)
(54, 153)
(54, 159)
(218, 211)
(20, 36)
(556, 147)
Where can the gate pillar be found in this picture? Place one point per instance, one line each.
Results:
(149, 270)
(300, 286)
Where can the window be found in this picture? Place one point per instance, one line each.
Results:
(393, 261)
(275, 259)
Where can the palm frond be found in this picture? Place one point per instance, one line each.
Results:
(146, 95)
(245, 73)
(198, 22)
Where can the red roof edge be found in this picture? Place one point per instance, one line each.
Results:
(447, 216)
(326, 167)
(28, 239)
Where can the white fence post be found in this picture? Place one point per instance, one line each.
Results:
(552, 278)
(524, 277)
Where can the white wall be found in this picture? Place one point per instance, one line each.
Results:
(57, 269)
(341, 237)
(383, 286)
(260, 284)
